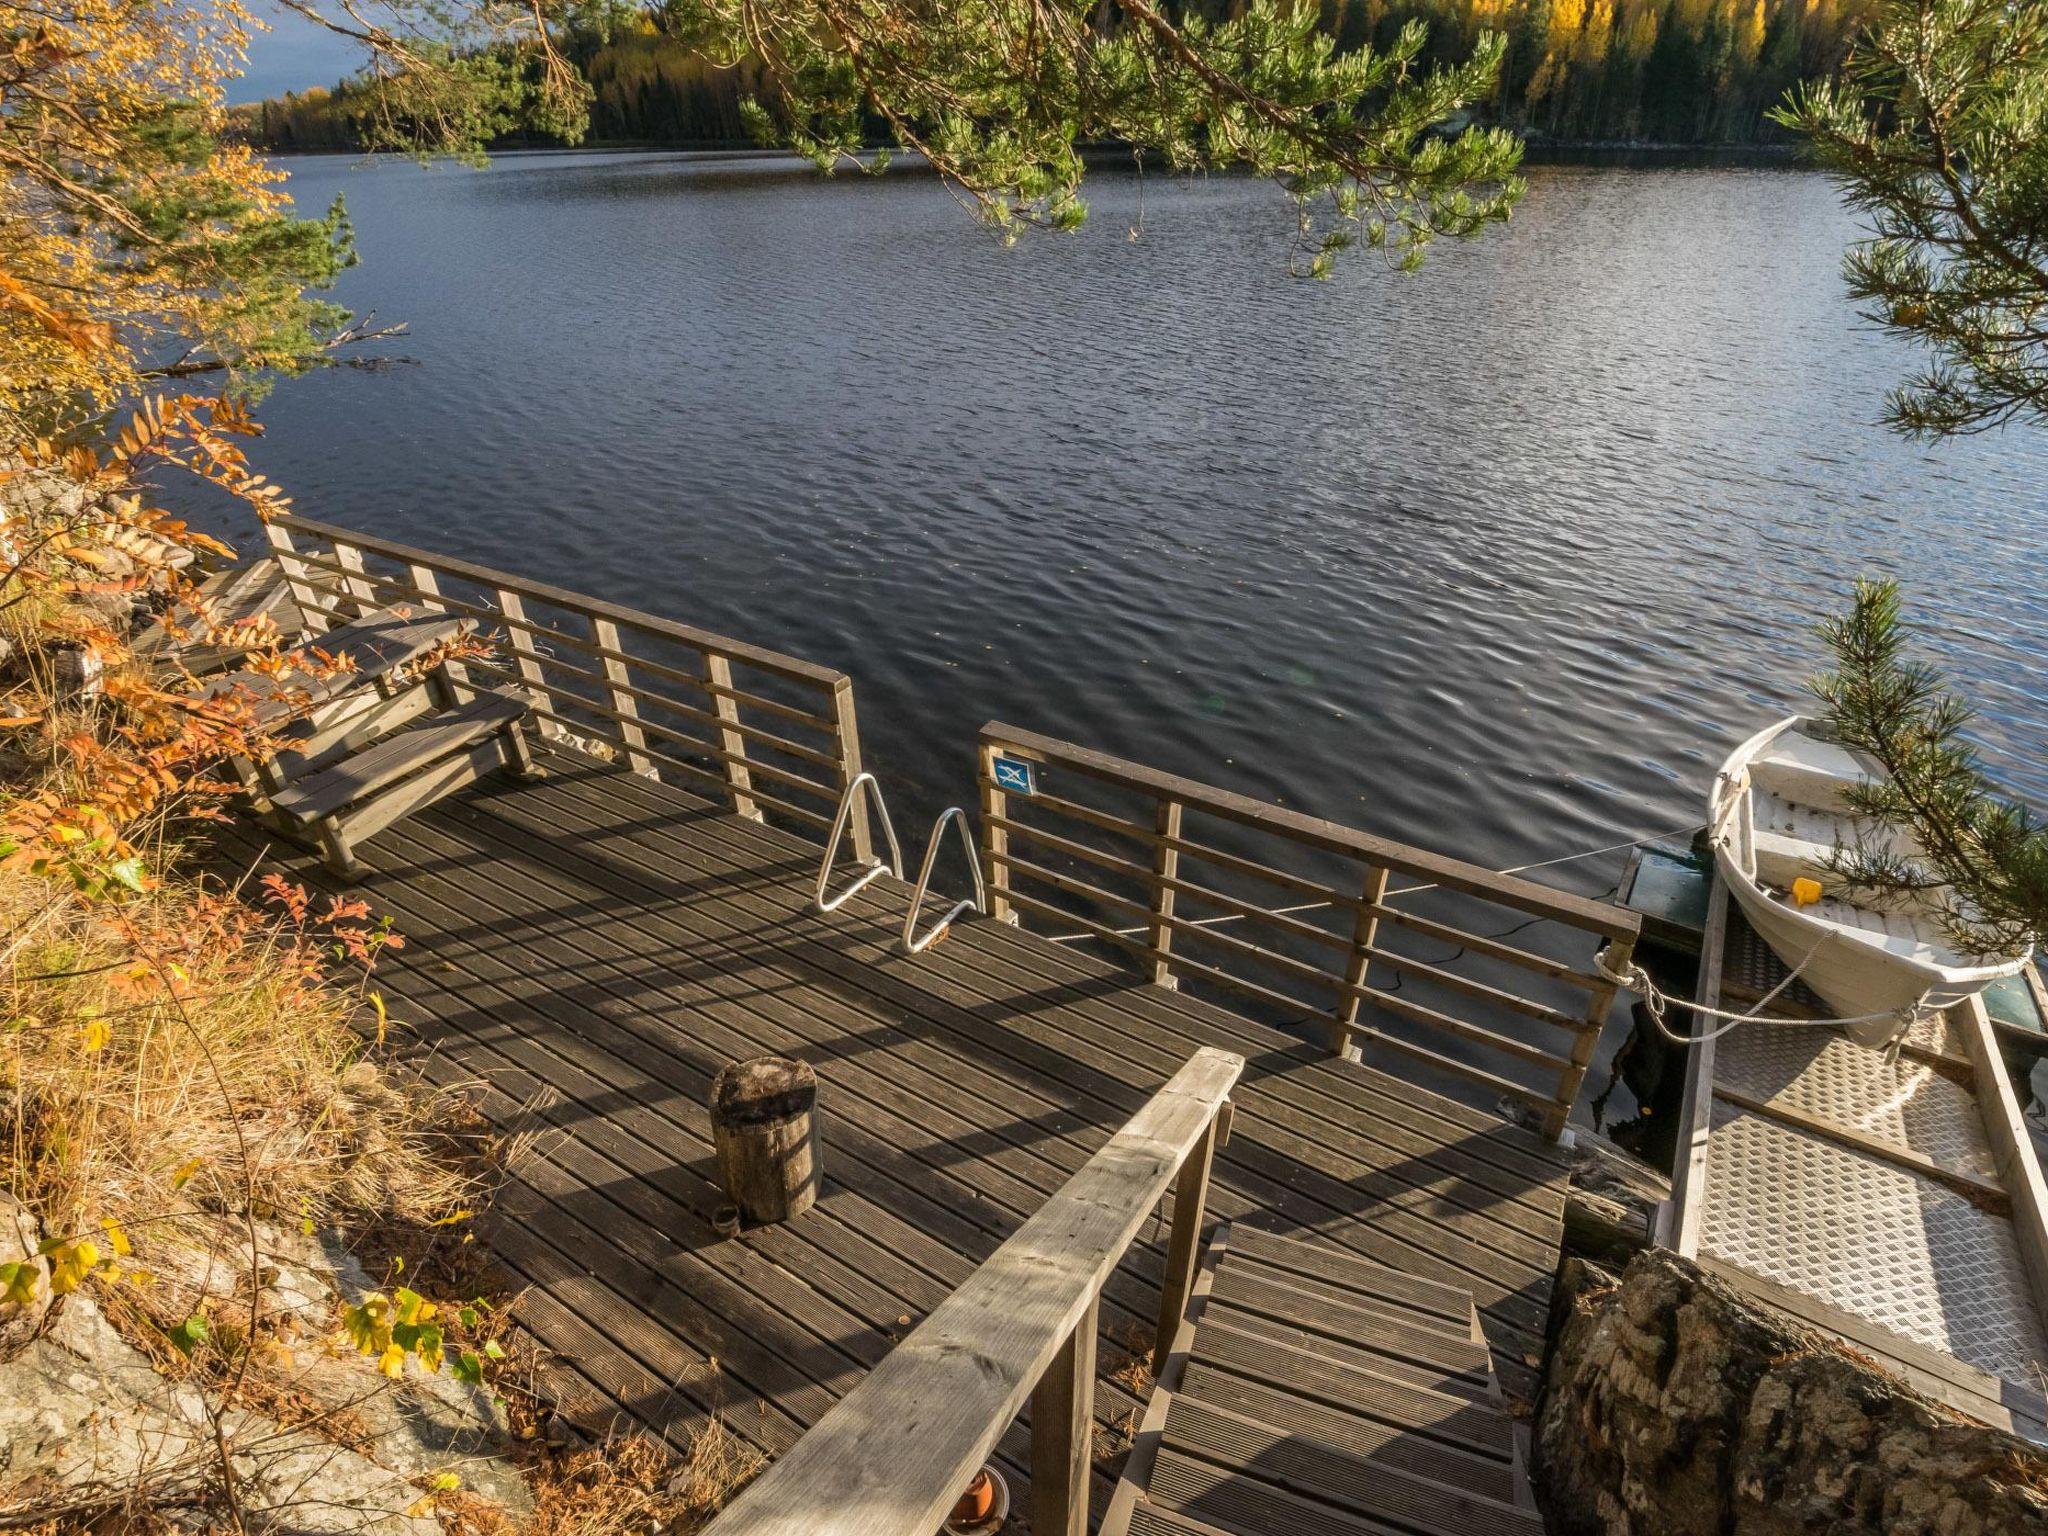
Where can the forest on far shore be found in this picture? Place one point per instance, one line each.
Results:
(1577, 71)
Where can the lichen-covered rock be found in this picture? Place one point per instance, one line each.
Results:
(1674, 1407)
(85, 1417)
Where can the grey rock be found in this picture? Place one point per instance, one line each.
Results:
(1672, 1406)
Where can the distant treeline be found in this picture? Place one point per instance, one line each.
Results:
(1588, 71)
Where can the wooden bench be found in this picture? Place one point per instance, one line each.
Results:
(361, 794)
(363, 698)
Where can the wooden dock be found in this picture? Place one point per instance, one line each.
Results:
(594, 947)
(588, 949)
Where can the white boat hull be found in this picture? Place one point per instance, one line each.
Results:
(1859, 962)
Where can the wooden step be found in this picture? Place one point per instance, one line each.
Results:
(1316, 1394)
(1339, 1388)
(1407, 1471)
(396, 757)
(1244, 1503)
(1475, 1385)
(1324, 1262)
(1151, 1520)
(1370, 1439)
(1316, 1309)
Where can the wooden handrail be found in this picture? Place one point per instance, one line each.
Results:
(1177, 947)
(892, 1457)
(612, 700)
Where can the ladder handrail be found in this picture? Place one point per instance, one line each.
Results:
(876, 868)
(913, 944)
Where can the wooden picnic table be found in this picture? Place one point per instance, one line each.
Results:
(366, 653)
(321, 713)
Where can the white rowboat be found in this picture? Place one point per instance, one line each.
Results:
(1775, 816)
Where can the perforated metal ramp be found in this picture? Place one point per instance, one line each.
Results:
(1871, 1182)
(1315, 1392)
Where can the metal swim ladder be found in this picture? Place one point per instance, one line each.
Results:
(912, 942)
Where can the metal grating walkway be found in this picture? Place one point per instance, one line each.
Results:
(1873, 1183)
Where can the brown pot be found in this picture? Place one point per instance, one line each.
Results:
(977, 1501)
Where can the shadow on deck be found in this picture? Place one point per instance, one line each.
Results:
(592, 948)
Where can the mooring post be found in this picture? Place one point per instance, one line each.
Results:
(764, 1130)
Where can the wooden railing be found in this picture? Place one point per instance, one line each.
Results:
(1298, 914)
(771, 734)
(892, 1457)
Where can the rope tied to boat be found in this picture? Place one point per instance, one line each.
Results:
(1656, 1001)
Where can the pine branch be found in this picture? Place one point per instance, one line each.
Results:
(1936, 831)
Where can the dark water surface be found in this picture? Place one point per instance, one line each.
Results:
(1499, 559)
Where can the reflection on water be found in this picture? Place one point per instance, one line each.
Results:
(1499, 559)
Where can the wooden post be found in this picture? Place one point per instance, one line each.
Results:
(606, 634)
(1063, 1433)
(1165, 867)
(718, 672)
(764, 1129)
(1190, 1199)
(315, 608)
(513, 606)
(1364, 932)
(995, 842)
(1600, 1000)
(847, 730)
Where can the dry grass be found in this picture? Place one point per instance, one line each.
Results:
(629, 1486)
(180, 1055)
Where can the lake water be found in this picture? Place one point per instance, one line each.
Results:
(1498, 559)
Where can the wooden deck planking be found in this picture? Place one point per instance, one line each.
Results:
(595, 946)
(869, 963)
(1108, 1002)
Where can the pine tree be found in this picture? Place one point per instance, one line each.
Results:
(1938, 830)
(1938, 132)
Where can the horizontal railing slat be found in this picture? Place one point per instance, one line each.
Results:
(578, 643)
(1175, 911)
(766, 660)
(1316, 977)
(1313, 831)
(640, 724)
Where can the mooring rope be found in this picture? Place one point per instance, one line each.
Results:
(1655, 1000)
(1406, 890)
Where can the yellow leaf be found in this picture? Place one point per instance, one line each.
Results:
(116, 1238)
(97, 1034)
(383, 1015)
(186, 1169)
(392, 1362)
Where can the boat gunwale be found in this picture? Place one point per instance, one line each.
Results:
(1734, 786)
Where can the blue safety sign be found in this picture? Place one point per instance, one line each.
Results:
(1016, 776)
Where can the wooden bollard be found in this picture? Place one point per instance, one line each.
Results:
(765, 1131)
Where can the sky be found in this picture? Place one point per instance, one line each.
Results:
(292, 55)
